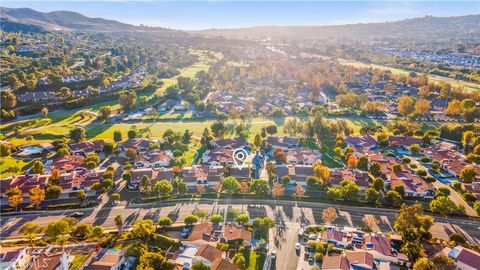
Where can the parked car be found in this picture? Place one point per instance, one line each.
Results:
(76, 214)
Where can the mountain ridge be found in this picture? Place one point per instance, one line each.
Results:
(62, 20)
(452, 26)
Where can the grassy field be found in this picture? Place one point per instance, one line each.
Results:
(7, 163)
(47, 129)
(435, 78)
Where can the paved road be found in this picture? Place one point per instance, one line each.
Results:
(288, 220)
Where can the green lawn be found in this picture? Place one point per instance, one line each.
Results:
(45, 130)
(7, 163)
(78, 261)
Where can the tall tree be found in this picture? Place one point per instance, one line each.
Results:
(37, 195)
(406, 105)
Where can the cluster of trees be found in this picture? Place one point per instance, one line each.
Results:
(62, 231)
(465, 108)
(407, 106)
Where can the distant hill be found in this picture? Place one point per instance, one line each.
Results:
(29, 19)
(428, 27)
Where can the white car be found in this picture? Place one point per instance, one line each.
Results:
(297, 246)
(273, 255)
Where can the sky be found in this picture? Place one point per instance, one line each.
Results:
(195, 15)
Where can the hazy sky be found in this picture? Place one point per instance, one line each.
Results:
(231, 14)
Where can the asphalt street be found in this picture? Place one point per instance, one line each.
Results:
(289, 219)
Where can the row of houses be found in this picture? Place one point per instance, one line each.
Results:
(51, 258)
(132, 80)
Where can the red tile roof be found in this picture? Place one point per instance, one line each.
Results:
(232, 232)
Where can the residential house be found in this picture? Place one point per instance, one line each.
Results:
(298, 173)
(204, 253)
(364, 142)
(13, 258)
(337, 237)
(87, 147)
(154, 174)
(236, 234)
(45, 259)
(404, 141)
(360, 260)
(356, 176)
(154, 159)
(282, 142)
(231, 143)
(450, 160)
(218, 157)
(24, 183)
(350, 260)
(205, 232)
(74, 181)
(380, 247)
(208, 176)
(335, 263)
(303, 156)
(138, 144)
(465, 259)
(108, 259)
(241, 174)
(414, 185)
(66, 164)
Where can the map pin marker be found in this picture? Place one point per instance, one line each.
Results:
(239, 157)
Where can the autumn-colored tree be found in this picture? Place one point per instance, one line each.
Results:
(54, 176)
(329, 215)
(321, 171)
(352, 161)
(422, 106)
(244, 187)
(15, 200)
(278, 189)
(454, 108)
(37, 195)
(201, 188)
(299, 191)
(423, 91)
(406, 105)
